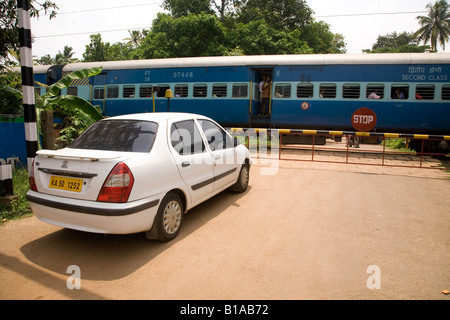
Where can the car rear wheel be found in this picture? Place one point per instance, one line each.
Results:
(168, 220)
(243, 179)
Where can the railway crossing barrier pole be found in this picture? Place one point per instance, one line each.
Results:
(26, 62)
(421, 153)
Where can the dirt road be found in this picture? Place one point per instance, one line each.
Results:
(309, 231)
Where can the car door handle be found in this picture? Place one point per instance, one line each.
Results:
(185, 164)
(216, 157)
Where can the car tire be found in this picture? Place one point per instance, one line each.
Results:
(168, 220)
(243, 179)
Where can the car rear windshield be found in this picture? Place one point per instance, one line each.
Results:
(118, 135)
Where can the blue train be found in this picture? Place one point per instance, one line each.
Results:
(404, 92)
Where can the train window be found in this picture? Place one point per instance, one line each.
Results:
(425, 92)
(375, 91)
(128, 91)
(328, 90)
(145, 91)
(446, 92)
(351, 91)
(200, 91)
(399, 92)
(161, 90)
(181, 90)
(99, 93)
(240, 90)
(112, 92)
(283, 90)
(72, 91)
(305, 90)
(219, 90)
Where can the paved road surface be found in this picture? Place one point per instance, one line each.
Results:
(309, 231)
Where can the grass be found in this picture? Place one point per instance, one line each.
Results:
(398, 144)
(20, 207)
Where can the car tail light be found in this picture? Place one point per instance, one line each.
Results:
(118, 185)
(31, 179)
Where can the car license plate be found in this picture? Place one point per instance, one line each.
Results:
(64, 183)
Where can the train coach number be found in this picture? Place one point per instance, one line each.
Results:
(183, 74)
(364, 119)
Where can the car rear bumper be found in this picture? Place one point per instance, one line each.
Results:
(93, 216)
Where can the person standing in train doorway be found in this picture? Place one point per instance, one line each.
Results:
(261, 86)
(266, 96)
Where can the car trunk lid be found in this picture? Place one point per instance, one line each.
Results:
(75, 173)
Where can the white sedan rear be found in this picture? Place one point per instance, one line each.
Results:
(137, 173)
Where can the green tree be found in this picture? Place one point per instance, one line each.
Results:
(436, 26)
(320, 38)
(45, 60)
(180, 8)
(9, 28)
(135, 39)
(66, 56)
(224, 7)
(394, 42)
(194, 35)
(257, 38)
(98, 50)
(278, 14)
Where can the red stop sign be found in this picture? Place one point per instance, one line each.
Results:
(364, 119)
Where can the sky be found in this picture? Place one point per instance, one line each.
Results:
(359, 21)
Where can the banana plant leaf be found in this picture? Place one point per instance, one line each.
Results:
(76, 103)
(55, 88)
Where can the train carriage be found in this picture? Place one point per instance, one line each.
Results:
(307, 91)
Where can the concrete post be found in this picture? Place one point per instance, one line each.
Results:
(26, 63)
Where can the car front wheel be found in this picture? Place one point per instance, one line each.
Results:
(243, 179)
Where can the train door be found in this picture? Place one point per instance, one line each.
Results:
(99, 90)
(261, 96)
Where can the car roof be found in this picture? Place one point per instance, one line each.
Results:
(157, 116)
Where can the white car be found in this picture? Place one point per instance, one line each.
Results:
(137, 173)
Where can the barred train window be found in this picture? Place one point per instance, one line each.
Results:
(283, 90)
(112, 92)
(446, 92)
(128, 91)
(219, 90)
(328, 90)
(200, 91)
(240, 91)
(425, 92)
(145, 91)
(377, 89)
(351, 91)
(399, 92)
(72, 91)
(181, 90)
(305, 90)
